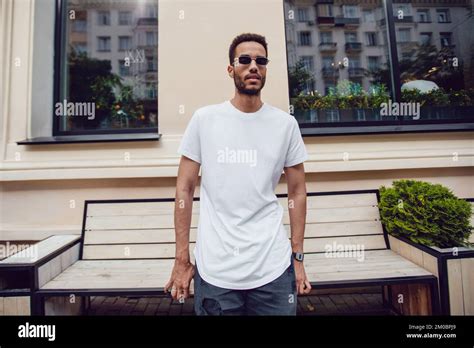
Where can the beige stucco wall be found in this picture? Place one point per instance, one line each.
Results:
(39, 182)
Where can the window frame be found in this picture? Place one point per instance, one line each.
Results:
(398, 125)
(103, 135)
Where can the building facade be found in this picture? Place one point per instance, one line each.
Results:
(44, 184)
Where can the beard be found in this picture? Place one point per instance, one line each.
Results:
(240, 85)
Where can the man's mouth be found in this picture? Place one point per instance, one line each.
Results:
(253, 77)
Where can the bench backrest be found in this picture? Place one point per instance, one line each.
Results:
(144, 229)
(341, 219)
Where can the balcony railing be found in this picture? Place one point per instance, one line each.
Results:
(356, 72)
(330, 73)
(353, 46)
(328, 46)
(343, 21)
(325, 20)
(405, 19)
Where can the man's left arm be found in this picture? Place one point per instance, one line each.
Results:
(295, 179)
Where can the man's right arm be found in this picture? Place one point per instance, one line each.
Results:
(183, 270)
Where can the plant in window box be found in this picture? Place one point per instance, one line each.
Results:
(127, 111)
(425, 213)
(430, 226)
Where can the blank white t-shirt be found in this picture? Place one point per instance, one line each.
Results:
(241, 241)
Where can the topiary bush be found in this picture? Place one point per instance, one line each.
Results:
(425, 213)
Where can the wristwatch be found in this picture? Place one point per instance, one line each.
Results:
(298, 256)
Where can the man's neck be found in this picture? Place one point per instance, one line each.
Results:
(247, 103)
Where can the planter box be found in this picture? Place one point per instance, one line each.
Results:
(454, 268)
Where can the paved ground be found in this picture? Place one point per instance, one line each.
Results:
(328, 304)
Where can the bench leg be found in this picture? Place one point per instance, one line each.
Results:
(435, 300)
(62, 305)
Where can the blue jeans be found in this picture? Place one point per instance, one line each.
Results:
(278, 297)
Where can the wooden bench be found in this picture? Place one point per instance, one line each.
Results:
(18, 272)
(127, 248)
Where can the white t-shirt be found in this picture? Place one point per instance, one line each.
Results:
(241, 241)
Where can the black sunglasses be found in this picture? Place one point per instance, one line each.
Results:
(244, 59)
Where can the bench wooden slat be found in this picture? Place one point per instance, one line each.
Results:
(134, 208)
(113, 274)
(167, 235)
(164, 235)
(134, 222)
(130, 251)
(336, 201)
(338, 215)
(341, 228)
(157, 208)
(315, 245)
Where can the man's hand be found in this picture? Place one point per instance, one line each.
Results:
(178, 285)
(302, 283)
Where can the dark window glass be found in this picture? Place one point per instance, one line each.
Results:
(107, 80)
(412, 68)
(348, 68)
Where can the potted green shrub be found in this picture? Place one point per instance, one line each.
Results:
(427, 223)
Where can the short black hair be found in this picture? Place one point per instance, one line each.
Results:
(244, 38)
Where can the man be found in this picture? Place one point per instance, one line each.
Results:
(245, 264)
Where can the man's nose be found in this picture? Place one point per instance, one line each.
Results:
(253, 66)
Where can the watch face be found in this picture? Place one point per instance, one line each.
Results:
(299, 256)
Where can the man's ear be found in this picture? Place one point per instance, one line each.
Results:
(230, 70)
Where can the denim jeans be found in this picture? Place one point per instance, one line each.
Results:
(278, 297)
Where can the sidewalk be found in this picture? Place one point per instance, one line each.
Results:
(338, 304)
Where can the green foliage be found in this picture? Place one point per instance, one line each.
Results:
(425, 213)
(350, 95)
(298, 78)
(92, 80)
(347, 95)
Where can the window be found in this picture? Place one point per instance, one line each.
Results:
(79, 26)
(404, 35)
(373, 63)
(304, 38)
(350, 36)
(368, 16)
(402, 10)
(443, 15)
(446, 39)
(307, 63)
(103, 18)
(328, 62)
(124, 68)
(423, 15)
(303, 15)
(108, 74)
(151, 11)
(125, 43)
(371, 38)
(125, 18)
(324, 10)
(425, 38)
(350, 11)
(80, 47)
(152, 64)
(103, 44)
(326, 36)
(151, 38)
